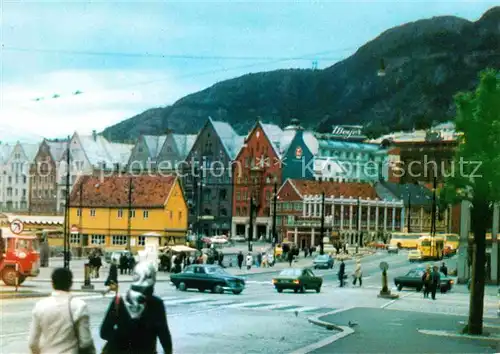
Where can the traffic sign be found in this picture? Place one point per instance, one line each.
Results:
(384, 265)
(74, 229)
(16, 226)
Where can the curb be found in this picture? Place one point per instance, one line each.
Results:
(343, 331)
(22, 295)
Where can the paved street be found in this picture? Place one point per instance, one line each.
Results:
(260, 319)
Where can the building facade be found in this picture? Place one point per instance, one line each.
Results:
(102, 217)
(257, 169)
(44, 174)
(333, 157)
(15, 175)
(5, 152)
(207, 176)
(353, 213)
(90, 155)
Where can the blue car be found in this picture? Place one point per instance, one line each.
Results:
(324, 261)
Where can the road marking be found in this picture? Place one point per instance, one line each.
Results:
(492, 337)
(393, 301)
(271, 307)
(246, 304)
(304, 309)
(185, 301)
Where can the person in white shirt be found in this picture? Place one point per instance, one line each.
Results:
(60, 323)
(249, 261)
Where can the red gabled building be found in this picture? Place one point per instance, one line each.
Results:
(256, 169)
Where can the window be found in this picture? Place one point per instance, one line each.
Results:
(120, 213)
(238, 196)
(132, 213)
(145, 214)
(25, 179)
(180, 215)
(75, 238)
(171, 214)
(79, 212)
(92, 212)
(118, 240)
(141, 241)
(97, 239)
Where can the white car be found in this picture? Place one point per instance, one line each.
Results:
(392, 249)
(414, 256)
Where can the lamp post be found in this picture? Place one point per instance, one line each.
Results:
(408, 217)
(322, 225)
(250, 226)
(275, 200)
(434, 207)
(359, 225)
(129, 225)
(67, 245)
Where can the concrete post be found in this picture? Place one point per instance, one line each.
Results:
(376, 218)
(394, 218)
(463, 271)
(312, 238)
(494, 245)
(342, 216)
(385, 218)
(296, 237)
(350, 216)
(368, 217)
(402, 219)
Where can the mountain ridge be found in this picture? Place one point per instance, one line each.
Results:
(426, 62)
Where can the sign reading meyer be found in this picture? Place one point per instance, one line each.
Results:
(354, 132)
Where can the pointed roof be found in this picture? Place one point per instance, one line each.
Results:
(5, 152)
(112, 191)
(337, 189)
(275, 136)
(419, 195)
(184, 143)
(30, 150)
(57, 149)
(231, 141)
(100, 151)
(154, 143)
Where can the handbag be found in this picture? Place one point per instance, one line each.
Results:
(88, 350)
(107, 347)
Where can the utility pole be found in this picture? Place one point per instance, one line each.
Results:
(250, 226)
(408, 217)
(322, 226)
(67, 245)
(434, 207)
(129, 226)
(358, 225)
(275, 201)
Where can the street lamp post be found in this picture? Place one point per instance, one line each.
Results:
(408, 217)
(67, 245)
(129, 224)
(275, 200)
(250, 226)
(359, 225)
(322, 226)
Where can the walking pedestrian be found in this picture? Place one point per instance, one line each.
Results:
(341, 273)
(358, 274)
(444, 269)
(130, 263)
(240, 259)
(60, 323)
(135, 321)
(112, 280)
(97, 264)
(123, 264)
(436, 280)
(290, 257)
(249, 261)
(426, 281)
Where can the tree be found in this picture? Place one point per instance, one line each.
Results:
(476, 175)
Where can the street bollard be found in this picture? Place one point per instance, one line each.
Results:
(87, 285)
(17, 276)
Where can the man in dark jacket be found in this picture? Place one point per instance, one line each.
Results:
(290, 257)
(240, 259)
(341, 273)
(112, 280)
(436, 281)
(123, 263)
(444, 269)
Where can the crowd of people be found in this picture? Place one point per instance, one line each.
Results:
(132, 324)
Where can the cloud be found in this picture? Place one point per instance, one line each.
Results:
(107, 98)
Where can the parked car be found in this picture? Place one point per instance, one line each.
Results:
(448, 251)
(413, 279)
(414, 256)
(323, 261)
(392, 249)
(207, 277)
(297, 279)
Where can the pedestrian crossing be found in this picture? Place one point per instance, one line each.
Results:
(234, 304)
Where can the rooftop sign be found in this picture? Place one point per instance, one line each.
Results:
(352, 132)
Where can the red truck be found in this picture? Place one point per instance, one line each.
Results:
(19, 257)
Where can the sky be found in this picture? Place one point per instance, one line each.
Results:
(108, 61)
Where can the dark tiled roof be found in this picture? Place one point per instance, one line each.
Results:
(337, 189)
(148, 191)
(419, 195)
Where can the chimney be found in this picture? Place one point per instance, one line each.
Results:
(94, 135)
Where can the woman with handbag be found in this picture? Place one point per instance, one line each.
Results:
(135, 321)
(112, 281)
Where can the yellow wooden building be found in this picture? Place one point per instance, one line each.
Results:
(105, 212)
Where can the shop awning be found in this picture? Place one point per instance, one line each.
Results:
(178, 248)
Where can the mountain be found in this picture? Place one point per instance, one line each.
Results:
(426, 63)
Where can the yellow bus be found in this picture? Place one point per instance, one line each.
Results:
(405, 239)
(431, 247)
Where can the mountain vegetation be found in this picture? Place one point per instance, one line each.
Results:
(426, 62)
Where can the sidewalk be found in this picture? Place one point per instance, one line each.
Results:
(394, 331)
